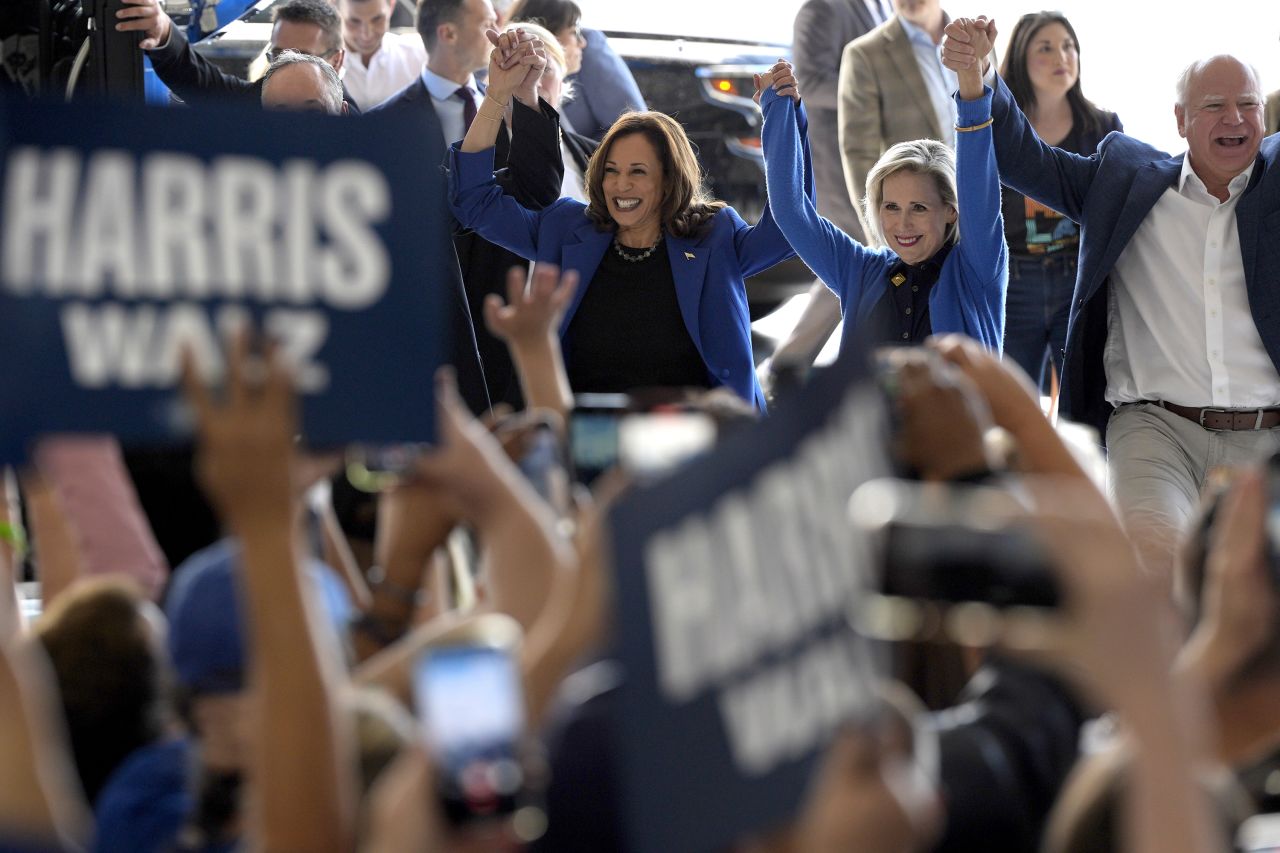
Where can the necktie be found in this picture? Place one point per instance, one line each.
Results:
(468, 106)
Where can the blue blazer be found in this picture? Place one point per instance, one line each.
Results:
(708, 269)
(1109, 194)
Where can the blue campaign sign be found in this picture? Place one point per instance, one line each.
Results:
(734, 581)
(130, 233)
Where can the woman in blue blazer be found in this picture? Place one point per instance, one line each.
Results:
(662, 300)
(926, 280)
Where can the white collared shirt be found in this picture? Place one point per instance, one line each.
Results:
(449, 108)
(939, 80)
(398, 61)
(1179, 326)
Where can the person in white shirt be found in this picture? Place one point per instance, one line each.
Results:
(379, 62)
(1174, 343)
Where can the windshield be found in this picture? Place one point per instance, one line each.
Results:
(721, 21)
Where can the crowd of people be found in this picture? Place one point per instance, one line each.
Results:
(989, 237)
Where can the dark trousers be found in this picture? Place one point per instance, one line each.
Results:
(1037, 308)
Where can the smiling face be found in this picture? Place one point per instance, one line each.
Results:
(1221, 119)
(364, 23)
(913, 216)
(1053, 65)
(633, 189)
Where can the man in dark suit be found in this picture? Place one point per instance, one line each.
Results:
(306, 26)
(1174, 348)
(442, 101)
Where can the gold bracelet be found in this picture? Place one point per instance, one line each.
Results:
(489, 97)
(488, 118)
(986, 123)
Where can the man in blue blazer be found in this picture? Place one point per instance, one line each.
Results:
(1174, 341)
(454, 33)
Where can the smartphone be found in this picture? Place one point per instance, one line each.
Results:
(954, 544)
(373, 468)
(467, 690)
(593, 433)
(656, 443)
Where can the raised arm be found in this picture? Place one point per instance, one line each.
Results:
(529, 323)
(186, 72)
(834, 256)
(1051, 176)
(860, 124)
(303, 756)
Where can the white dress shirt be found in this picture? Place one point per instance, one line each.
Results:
(396, 64)
(1179, 326)
(449, 108)
(939, 80)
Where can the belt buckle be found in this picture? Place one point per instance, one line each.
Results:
(1207, 410)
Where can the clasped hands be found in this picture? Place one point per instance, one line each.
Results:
(516, 66)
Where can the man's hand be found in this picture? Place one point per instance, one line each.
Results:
(515, 66)
(531, 316)
(246, 450)
(148, 17)
(783, 80)
(967, 42)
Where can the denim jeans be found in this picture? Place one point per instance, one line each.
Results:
(1037, 308)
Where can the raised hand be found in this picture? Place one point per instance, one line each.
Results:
(966, 42)
(516, 61)
(246, 439)
(148, 17)
(531, 315)
(781, 78)
(1007, 389)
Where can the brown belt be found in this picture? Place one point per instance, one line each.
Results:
(1226, 419)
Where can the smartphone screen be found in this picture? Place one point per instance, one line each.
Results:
(651, 445)
(543, 466)
(472, 711)
(593, 434)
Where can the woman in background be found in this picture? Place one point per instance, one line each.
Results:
(1042, 70)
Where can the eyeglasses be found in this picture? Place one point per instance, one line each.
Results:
(273, 53)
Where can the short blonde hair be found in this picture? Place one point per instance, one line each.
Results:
(922, 157)
(554, 50)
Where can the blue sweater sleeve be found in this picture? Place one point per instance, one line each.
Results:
(982, 248)
(479, 203)
(833, 255)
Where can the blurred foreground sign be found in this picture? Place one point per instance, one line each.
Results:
(128, 234)
(733, 582)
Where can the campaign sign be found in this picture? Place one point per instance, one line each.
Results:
(734, 581)
(129, 234)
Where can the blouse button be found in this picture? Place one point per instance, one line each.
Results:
(724, 374)
(905, 335)
(907, 310)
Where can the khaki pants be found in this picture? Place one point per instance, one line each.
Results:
(1157, 463)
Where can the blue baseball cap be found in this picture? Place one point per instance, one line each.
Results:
(206, 629)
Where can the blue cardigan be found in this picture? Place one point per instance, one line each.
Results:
(708, 269)
(969, 294)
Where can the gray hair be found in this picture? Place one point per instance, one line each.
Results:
(1190, 72)
(332, 84)
(919, 156)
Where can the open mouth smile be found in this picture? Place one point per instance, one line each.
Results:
(626, 203)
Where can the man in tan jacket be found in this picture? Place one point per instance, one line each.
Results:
(893, 88)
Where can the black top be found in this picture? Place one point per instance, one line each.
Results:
(1034, 230)
(901, 316)
(628, 331)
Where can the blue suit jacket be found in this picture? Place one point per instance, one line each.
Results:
(1109, 195)
(708, 269)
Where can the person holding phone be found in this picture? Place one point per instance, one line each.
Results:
(662, 300)
(926, 279)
